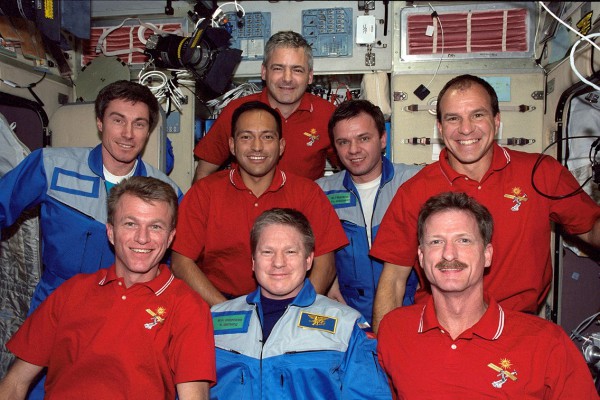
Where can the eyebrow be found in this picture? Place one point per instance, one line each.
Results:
(118, 114)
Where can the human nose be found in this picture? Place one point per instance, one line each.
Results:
(127, 131)
(353, 149)
(466, 126)
(142, 236)
(257, 144)
(278, 259)
(287, 74)
(449, 252)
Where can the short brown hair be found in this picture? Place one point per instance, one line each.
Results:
(283, 216)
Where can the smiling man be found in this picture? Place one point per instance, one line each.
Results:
(285, 341)
(287, 70)
(71, 185)
(211, 251)
(130, 331)
(360, 196)
(468, 119)
(473, 347)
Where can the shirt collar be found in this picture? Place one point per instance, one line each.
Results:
(279, 179)
(96, 165)
(158, 285)
(304, 298)
(489, 327)
(500, 159)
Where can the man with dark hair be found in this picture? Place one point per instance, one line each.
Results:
(71, 185)
(468, 118)
(128, 331)
(360, 195)
(287, 70)
(211, 251)
(461, 336)
(285, 341)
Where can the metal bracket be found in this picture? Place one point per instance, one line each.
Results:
(537, 95)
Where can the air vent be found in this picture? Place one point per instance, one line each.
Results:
(480, 31)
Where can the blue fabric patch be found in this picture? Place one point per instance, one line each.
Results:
(73, 183)
(341, 198)
(319, 322)
(228, 322)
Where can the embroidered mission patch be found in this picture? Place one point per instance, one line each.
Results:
(319, 322)
(228, 322)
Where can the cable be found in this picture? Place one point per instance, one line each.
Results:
(436, 16)
(568, 26)
(576, 333)
(542, 156)
(572, 60)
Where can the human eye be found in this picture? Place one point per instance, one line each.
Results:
(364, 139)
(465, 241)
(299, 70)
(451, 118)
(129, 224)
(140, 125)
(342, 142)
(118, 120)
(268, 136)
(435, 242)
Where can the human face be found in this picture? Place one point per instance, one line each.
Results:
(125, 128)
(256, 145)
(287, 76)
(452, 253)
(141, 234)
(359, 147)
(280, 262)
(468, 128)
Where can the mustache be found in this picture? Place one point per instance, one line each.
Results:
(450, 264)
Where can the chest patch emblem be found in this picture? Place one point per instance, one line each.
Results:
(158, 317)
(312, 137)
(518, 198)
(318, 322)
(504, 372)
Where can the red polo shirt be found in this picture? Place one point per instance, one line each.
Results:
(101, 339)
(521, 271)
(507, 354)
(217, 214)
(305, 132)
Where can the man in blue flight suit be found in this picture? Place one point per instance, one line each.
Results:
(71, 184)
(360, 195)
(284, 340)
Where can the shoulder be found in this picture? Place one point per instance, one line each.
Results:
(235, 103)
(154, 172)
(320, 104)
(334, 308)
(334, 181)
(522, 324)
(237, 304)
(401, 318)
(79, 153)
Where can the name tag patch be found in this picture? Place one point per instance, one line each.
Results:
(341, 199)
(228, 322)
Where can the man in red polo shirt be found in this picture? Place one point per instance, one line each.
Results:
(211, 251)
(287, 70)
(461, 344)
(499, 178)
(130, 331)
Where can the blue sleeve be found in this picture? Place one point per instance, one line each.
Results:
(364, 377)
(22, 187)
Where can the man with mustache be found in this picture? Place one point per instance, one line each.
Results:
(468, 118)
(461, 344)
(211, 251)
(287, 70)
